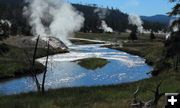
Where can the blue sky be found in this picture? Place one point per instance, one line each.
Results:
(140, 7)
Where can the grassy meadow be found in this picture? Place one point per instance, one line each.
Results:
(115, 36)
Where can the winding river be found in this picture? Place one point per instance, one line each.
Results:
(63, 72)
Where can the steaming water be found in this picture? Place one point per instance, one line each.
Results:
(62, 72)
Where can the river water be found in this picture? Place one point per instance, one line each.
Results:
(63, 72)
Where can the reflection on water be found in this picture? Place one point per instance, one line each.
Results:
(62, 72)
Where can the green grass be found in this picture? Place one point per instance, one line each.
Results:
(151, 51)
(101, 36)
(113, 96)
(115, 37)
(92, 63)
(14, 62)
(81, 42)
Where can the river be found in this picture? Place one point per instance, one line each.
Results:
(63, 72)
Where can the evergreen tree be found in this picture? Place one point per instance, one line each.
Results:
(152, 36)
(172, 44)
(133, 34)
(12, 10)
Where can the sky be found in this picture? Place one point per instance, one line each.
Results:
(140, 7)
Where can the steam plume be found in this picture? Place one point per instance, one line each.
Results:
(6, 21)
(174, 27)
(102, 13)
(105, 27)
(128, 31)
(53, 18)
(147, 31)
(136, 20)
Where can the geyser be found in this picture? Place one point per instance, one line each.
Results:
(105, 27)
(136, 20)
(175, 27)
(53, 18)
(5, 22)
(102, 13)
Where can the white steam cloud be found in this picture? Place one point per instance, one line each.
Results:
(168, 36)
(105, 27)
(6, 22)
(53, 18)
(175, 27)
(128, 31)
(136, 20)
(147, 31)
(102, 13)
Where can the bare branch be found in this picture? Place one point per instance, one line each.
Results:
(44, 76)
(33, 65)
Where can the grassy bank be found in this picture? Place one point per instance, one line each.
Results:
(80, 42)
(116, 37)
(151, 51)
(15, 61)
(113, 96)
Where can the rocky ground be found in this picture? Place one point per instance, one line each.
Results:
(16, 52)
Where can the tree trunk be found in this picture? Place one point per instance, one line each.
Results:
(44, 76)
(176, 62)
(33, 66)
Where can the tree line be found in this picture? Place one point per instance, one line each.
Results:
(12, 10)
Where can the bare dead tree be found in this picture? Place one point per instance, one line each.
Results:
(44, 75)
(33, 66)
(34, 77)
(136, 102)
(157, 95)
(40, 87)
(149, 104)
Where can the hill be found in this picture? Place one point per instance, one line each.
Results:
(158, 18)
(12, 10)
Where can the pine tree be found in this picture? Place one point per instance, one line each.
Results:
(152, 36)
(133, 34)
(172, 44)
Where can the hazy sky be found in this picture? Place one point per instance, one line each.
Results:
(140, 7)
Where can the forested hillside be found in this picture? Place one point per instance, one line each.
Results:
(12, 10)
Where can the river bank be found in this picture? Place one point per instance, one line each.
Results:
(84, 65)
(15, 58)
(116, 96)
(101, 96)
(150, 51)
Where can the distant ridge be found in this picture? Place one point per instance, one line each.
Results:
(12, 10)
(158, 18)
